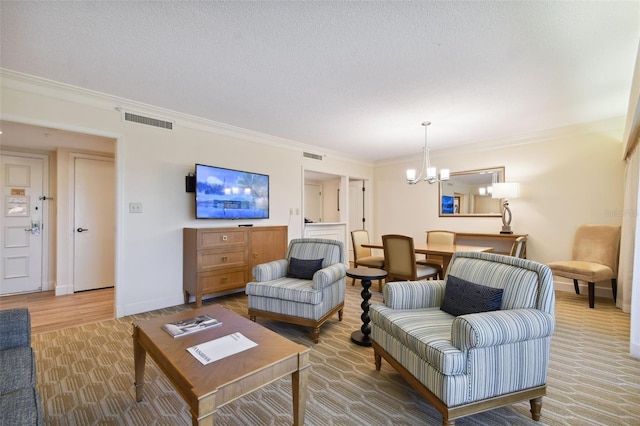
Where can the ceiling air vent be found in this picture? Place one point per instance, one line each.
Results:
(141, 119)
(310, 155)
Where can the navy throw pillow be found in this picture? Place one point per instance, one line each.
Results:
(463, 297)
(303, 268)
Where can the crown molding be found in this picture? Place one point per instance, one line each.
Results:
(66, 92)
(608, 125)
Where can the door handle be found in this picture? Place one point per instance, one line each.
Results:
(82, 229)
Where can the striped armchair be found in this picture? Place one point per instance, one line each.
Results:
(308, 302)
(475, 362)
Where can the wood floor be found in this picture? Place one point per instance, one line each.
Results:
(50, 312)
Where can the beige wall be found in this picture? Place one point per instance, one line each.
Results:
(567, 177)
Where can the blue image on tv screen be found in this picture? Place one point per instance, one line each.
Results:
(447, 204)
(231, 194)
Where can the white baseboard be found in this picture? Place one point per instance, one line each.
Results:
(61, 290)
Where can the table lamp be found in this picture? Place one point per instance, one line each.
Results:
(506, 190)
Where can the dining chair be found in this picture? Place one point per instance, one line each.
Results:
(596, 251)
(434, 260)
(519, 248)
(400, 260)
(362, 256)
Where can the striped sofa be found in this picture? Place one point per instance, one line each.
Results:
(476, 362)
(307, 302)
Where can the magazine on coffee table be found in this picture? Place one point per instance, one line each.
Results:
(191, 325)
(221, 347)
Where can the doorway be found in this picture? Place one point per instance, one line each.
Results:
(59, 147)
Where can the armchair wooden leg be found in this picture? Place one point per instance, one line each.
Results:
(316, 334)
(448, 422)
(378, 360)
(592, 296)
(575, 285)
(614, 288)
(340, 315)
(536, 408)
(252, 318)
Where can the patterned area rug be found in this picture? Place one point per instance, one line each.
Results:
(85, 376)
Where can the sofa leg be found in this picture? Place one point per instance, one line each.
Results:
(536, 408)
(340, 315)
(446, 422)
(252, 318)
(316, 334)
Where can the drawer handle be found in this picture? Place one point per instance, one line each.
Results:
(224, 258)
(224, 238)
(224, 280)
(256, 255)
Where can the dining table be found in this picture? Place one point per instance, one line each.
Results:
(446, 251)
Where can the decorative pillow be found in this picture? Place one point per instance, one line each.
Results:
(464, 297)
(303, 268)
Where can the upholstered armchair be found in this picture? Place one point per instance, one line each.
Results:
(477, 341)
(305, 288)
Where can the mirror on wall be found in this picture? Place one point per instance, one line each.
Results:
(468, 193)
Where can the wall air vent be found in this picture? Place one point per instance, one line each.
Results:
(310, 155)
(149, 121)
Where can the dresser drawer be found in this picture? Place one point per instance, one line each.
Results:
(214, 282)
(215, 238)
(216, 259)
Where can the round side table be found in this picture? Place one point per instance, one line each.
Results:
(365, 275)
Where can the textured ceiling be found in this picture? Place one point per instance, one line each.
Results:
(354, 77)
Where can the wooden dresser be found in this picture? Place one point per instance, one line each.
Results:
(501, 243)
(220, 260)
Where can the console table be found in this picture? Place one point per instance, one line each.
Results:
(501, 243)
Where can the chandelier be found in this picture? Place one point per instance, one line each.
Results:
(430, 173)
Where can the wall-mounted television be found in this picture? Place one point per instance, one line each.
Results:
(231, 194)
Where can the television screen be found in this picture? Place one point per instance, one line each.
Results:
(231, 194)
(447, 204)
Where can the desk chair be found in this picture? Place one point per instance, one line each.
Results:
(433, 260)
(400, 260)
(519, 248)
(362, 255)
(596, 250)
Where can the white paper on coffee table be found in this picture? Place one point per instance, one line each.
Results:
(222, 347)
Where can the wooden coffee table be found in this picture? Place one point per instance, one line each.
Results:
(207, 387)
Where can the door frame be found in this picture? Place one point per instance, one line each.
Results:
(71, 216)
(45, 281)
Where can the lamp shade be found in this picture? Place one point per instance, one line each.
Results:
(506, 190)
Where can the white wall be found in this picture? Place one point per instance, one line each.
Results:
(151, 165)
(567, 177)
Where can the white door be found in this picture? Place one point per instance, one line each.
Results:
(21, 231)
(94, 224)
(313, 202)
(356, 210)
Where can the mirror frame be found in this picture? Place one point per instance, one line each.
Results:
(500, 178)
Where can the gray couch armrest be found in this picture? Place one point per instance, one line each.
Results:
(329, 275)
(500, 327)
(15, 328)
(271, 270)
(414, 294)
